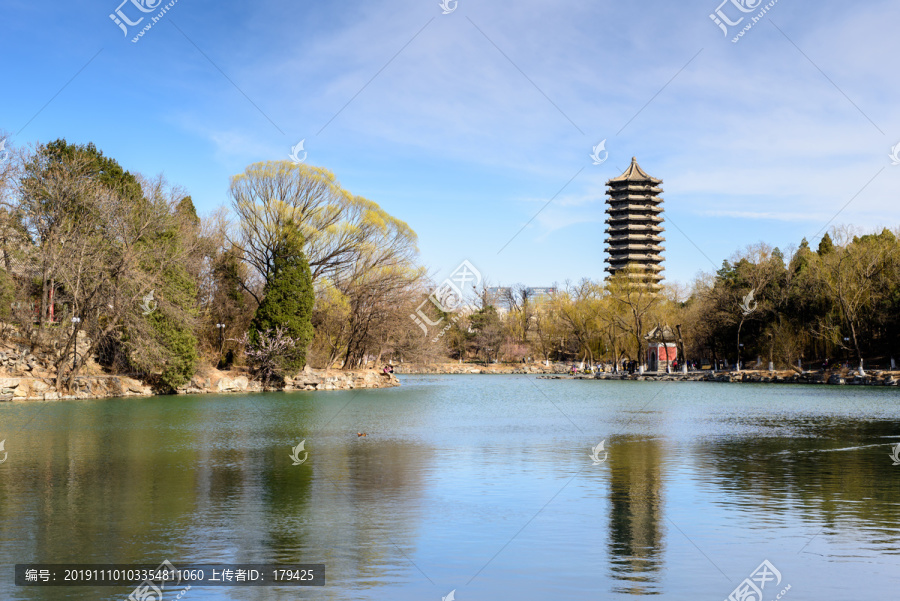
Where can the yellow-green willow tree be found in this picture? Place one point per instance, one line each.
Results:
(334, 224)
(365, 257)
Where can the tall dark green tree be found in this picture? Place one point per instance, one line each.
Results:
(488, 335)
(7, 294)
(186, 210)
(826, 246)
(174, 335)
(165, 343)
(96, 165)
(288, 302)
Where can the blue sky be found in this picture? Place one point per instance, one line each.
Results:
(466, 125)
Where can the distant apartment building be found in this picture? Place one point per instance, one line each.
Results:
(502, 297)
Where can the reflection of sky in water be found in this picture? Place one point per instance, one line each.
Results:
(481, 484)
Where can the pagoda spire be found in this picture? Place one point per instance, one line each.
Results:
(635, 225)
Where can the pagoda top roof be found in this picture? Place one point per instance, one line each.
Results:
(634, 173)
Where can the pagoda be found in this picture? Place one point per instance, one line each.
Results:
(635, 224)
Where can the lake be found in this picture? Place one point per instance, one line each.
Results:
(479, 485)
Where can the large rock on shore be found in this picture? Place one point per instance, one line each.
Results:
(311, 379)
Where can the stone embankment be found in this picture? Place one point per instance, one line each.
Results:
(874, 378)
(492, 368)
(29, 388)
(17, 360)
(309, 379)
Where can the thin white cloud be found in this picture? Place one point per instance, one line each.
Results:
(748, 131)
(769, 215)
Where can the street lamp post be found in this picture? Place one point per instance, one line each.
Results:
(75, 322)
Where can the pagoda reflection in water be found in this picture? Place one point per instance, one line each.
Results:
(635, 529)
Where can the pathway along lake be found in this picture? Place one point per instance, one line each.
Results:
(482, 485)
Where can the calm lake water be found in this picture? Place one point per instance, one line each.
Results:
(479, 484)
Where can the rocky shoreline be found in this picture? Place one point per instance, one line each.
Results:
(40, 386)
(874, 378)
(471, 368)
(309, 379)
(25, 376)
(560, 371)
(30, 388)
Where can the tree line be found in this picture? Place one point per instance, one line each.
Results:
(101, 264)
(839, 303)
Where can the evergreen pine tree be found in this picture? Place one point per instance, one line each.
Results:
(826, 246)
(288, 302)
(175, 336)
